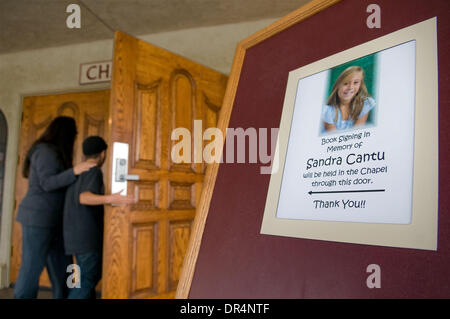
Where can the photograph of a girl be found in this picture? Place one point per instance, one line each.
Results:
(349, 103)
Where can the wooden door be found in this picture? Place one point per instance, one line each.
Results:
(90, 111)
(154, 91)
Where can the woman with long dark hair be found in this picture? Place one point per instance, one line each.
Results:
(48, 167)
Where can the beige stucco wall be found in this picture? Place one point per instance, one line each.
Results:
(55, 70)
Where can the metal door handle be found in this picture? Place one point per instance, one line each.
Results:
(132, 177)
(122, 171)
(120, 174)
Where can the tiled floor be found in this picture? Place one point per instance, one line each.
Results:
(8, 293)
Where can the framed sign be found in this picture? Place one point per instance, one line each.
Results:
(295, 234)
(358, 145)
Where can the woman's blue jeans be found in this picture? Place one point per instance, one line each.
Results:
(42, 246)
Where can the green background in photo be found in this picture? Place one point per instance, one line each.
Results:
(368, 63)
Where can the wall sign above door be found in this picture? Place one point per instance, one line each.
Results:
(95, 72)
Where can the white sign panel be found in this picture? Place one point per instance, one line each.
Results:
(358, 146)
(362, 173)
(95, 72)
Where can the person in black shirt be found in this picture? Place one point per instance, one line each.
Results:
(83, 219)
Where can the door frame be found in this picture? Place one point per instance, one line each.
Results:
(4, 141)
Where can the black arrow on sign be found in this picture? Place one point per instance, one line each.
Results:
(359, 191)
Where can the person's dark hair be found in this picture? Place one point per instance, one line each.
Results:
(61, 133)
(93, 146)
(96, 155)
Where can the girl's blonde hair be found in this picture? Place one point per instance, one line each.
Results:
(357, 102)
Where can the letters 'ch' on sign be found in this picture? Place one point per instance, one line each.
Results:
(95, 72)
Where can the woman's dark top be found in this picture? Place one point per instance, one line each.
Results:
(43, 204)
